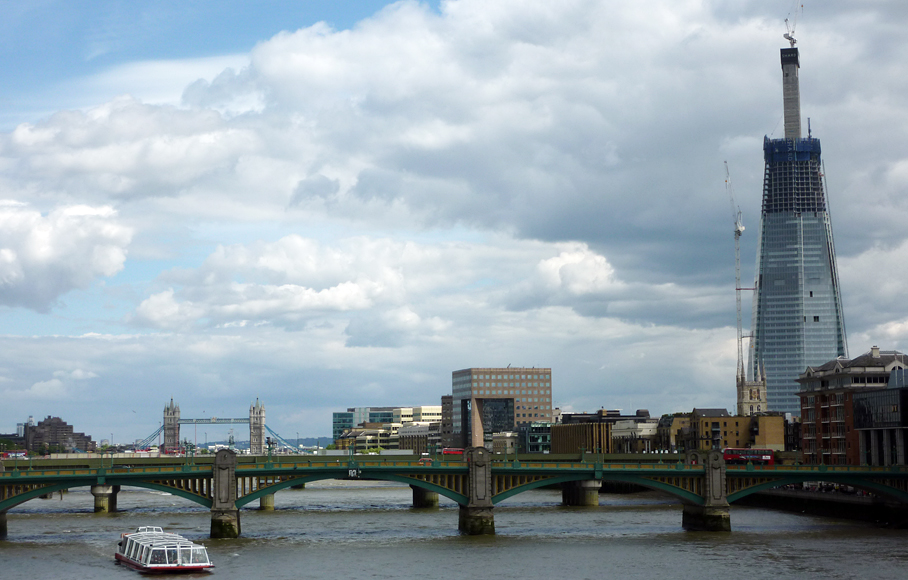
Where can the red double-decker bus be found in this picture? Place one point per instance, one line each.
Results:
(452, 451)
(744, 456)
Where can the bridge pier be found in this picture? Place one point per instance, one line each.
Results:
(713, 515)
(476, 518)
(698, 518)
(580, 493)
(266, 503)
(423, 498)
(105, 498)
(225, 517)
(3, 525)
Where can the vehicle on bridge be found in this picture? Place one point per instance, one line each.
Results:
(452, 451)
(151, 550)
(734, 456)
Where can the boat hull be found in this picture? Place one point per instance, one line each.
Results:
(162, 568)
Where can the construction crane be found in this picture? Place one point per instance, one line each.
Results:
(790, 24)
(739, 229)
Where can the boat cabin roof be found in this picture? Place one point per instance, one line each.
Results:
(161, 540)
(150, 529)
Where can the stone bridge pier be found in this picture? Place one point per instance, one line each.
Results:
(476, 517)
(713, 515)
(105, 498)
(581, 493)
(423, 498)
(225, 516)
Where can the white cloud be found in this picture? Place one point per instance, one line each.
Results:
(353, 214)
(42, 257)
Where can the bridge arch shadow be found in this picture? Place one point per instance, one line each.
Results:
(891, 488)
(674, 488)
(451, 494)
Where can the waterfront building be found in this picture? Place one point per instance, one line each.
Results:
(354, 416)
(881, 421)
(590, 437)
(630, 436)
(505, 443)
(797, 307)
(716, 429)
(535, 437)
(828, 397)
(423, 413)
(420, 437)
(504, 399)
(53, 433)
(669, 430)
(447, 421)
(610, 416)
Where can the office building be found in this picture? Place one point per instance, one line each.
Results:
(501, 398)
(55, 434)
(353, 416)
(830, 407)
(797, 308)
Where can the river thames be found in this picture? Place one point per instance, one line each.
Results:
(366, 530)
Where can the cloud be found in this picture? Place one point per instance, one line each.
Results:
(352, 214)
(42, 257)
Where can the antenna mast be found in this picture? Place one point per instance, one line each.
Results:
(739, 229)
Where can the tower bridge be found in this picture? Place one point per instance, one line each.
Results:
(226, 482)
(170, 427)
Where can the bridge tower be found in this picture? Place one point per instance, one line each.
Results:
(171, 426)
(257, 428)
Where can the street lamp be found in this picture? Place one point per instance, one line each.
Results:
(297, 441)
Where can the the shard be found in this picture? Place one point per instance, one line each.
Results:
(797, 306)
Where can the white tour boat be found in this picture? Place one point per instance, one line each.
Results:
(151, 550)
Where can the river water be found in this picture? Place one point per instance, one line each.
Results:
(367, 530)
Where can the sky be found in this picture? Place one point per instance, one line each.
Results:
(323, 205)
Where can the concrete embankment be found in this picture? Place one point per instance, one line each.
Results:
(832, 504)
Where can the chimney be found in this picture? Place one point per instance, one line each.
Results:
(874, 352)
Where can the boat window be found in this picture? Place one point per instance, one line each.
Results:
(157, 557)
(144, 555)
(132, 548)
(199, 556)
(172, 556)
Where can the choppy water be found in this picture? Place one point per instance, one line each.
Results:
(367, 530)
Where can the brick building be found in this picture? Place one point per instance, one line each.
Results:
(828, 434)
(54, 433)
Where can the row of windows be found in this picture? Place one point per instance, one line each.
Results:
(513, 377)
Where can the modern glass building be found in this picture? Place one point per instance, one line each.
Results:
(797, 306)
(343, 420)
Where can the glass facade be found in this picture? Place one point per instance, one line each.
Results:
(797, 310)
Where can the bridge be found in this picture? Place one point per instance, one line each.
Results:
(226, 482)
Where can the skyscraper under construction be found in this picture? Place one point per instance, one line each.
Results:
(797, 306)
